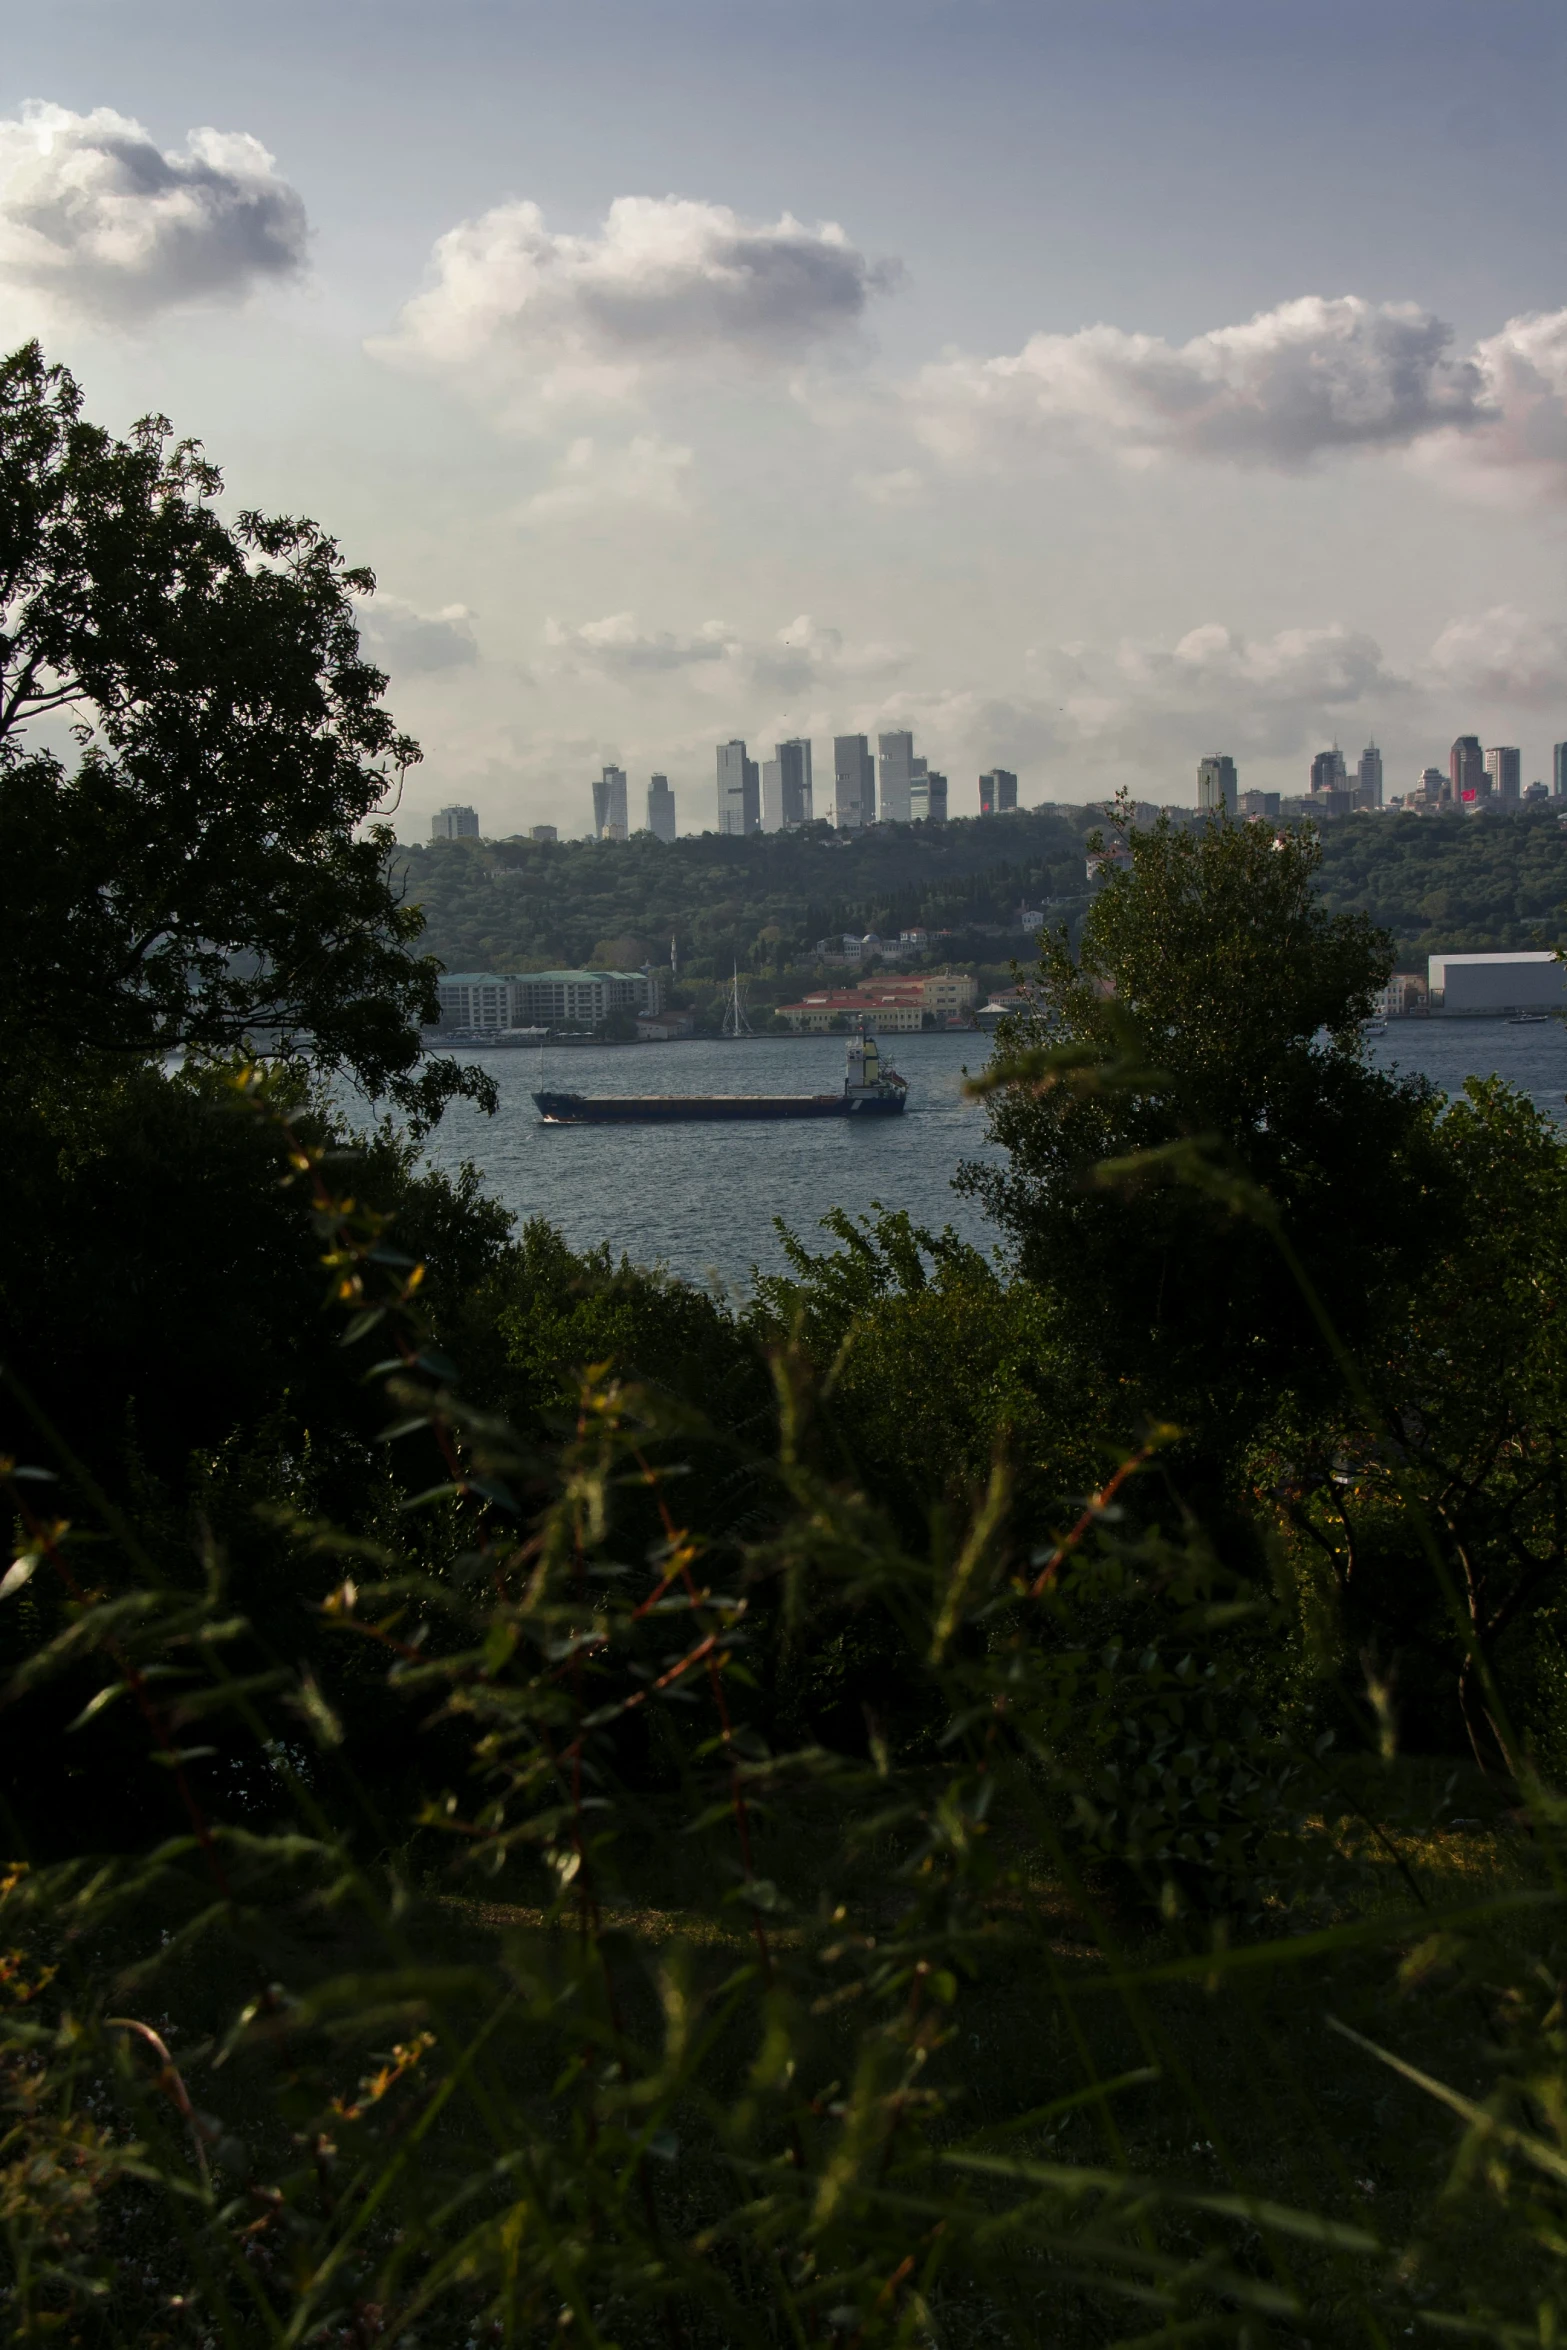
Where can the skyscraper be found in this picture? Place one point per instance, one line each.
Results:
(455, 824)
(1218, 785)
(1559, 771)
(997, 792)
(897, 773)
(927, 796)
(1328, 772)
(1466, 775)
(1502, 767)
(660, 808)
(1368, 778)
(786, 786)
(739, 790)
(609, 805)
(854, 782)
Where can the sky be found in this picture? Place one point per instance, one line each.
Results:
(1088, 386)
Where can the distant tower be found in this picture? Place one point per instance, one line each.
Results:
(739, 790)
(793, 762)
(1368, 778)
(455, 824)
(1218, 785)
(1503, 767)
(1328, 772)
(1559, 771)
(854, 782)
(997, 792)
(660, 809)
(928, 797)
(609, 805)
(1466, 776)
(897, 773)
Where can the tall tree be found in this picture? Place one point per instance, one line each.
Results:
(193, 755)
(1214, 1014)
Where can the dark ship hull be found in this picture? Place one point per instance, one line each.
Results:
(660, 1109)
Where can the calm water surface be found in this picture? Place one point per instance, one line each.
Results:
(701, 1199)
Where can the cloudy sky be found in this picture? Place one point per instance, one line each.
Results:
(1089, 386)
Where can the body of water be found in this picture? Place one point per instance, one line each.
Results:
(701, 1199)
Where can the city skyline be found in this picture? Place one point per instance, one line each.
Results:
(1200, 418)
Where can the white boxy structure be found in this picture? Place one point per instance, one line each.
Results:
(1529, 980)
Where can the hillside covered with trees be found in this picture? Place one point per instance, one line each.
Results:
(1459, 883)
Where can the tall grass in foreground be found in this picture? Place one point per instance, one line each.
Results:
(1089, 2004)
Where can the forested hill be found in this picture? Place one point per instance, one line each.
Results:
(515, 904)
(1461, 882)
(1436, 882)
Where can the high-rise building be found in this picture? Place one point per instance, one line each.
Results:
(854, 782)
(1503, 766)
(1466, 775)
(455, 824)
(1218, 785)
(897, 773)
(1259, 803)
(786, 786)
(1559, 771)
(1433, 786)
(927, 796)
(609, 805)
(1368, 778)
(997, 792)
(543, 832)
(1328, 772)
(739, 790)
(660, 808)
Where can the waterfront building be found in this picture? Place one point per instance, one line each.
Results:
(928, 797)
(897, 774)
(1468, 783)
(1529, 979)
(660, 808)
(1368, 778)
(739, 790)
(1503, 772)
(489, 1002)
(455, 824)
(997, 792)
(609, 805)
(1218, 785)
(854, 782)
(543, 832)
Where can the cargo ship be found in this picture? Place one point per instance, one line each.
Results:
(869, 1091)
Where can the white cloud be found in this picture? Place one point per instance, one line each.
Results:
(410, 642)
(720, 659)
(1502, 655)
(1285, 388)
(645, 471)
(539, 317)
(1520, 451)
(902, 487)
(98, 222)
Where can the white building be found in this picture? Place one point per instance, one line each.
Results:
(486, 1002)
(455, 824)
(1530, 979)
